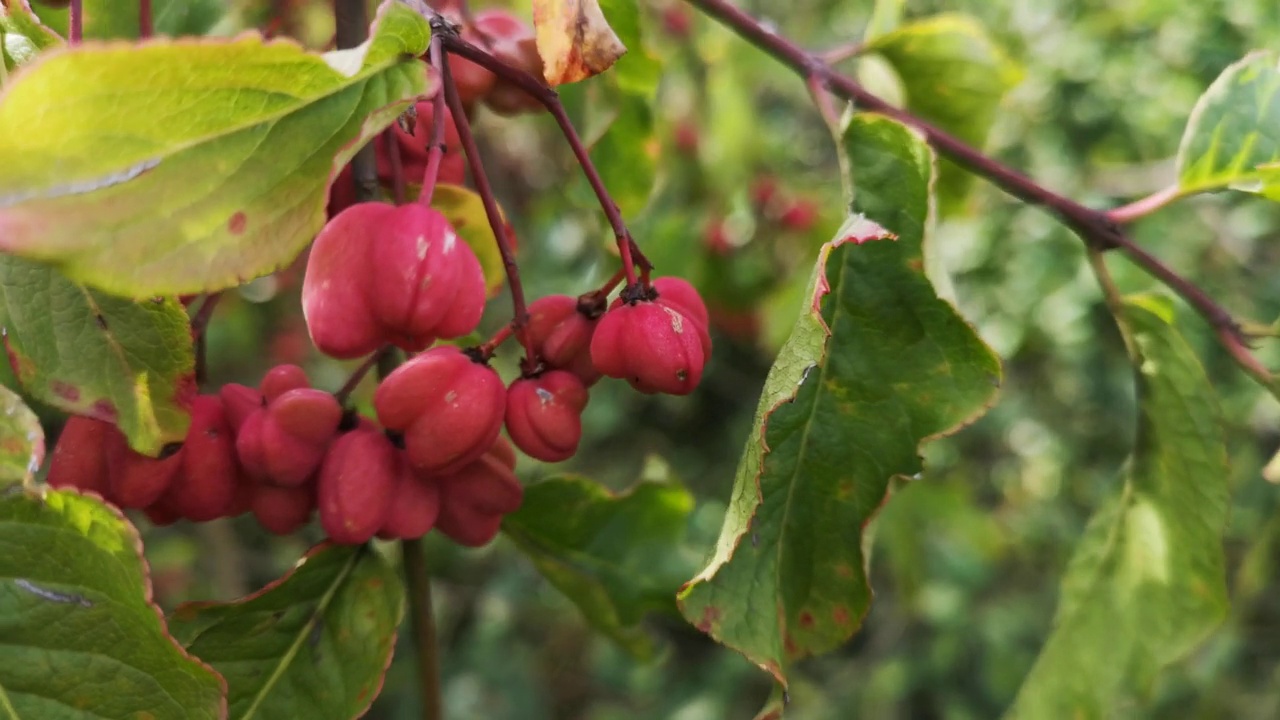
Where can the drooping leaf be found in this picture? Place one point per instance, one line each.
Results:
(465, 211)
(954, 75)
(22, 35)
(614, 556)
(82, 639)
(574, 40)
(1147, 582)
(314, 644)
(182, 166)
(876, 365)
(89, 353)
(21, 440)
(1231, 139)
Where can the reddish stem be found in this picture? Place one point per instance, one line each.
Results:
(77, 22)
(504, 333)
(607, 287)
(356, 376)
(549, 99)
(1144, 206)
(436, 148)
(145, 28)
(491, 211)
(397, 165)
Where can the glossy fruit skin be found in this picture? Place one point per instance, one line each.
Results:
(239, 402)
(511, 40)
(473, 500)
(281, 379)
(380, 274)
(281, 510)
(334, 295)
(680, 294)
(561, 335)
(136, 480)
(79, 460)
(206, 485)
(544, 415)
(415, 506)
(448, 407)
(652, 345)
(356, 485)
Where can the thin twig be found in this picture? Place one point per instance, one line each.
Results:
(549, 99)
(1094, 227)
(521, 317)
(145, 27)
(76, 31)
(837, 55)
(351, 22)
(436, 148)
(823, 101)
(199, 324)
(1144, 206)
(423, 621)
(358, 374)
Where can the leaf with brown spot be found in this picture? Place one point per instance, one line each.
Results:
(21, 440)
(574, 40)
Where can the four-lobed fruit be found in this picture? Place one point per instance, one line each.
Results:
(209, 476)
(382, 273)
(447, 405)
(544, 415)
(357, 483)
(474, 499)
(658, 345)
(561, 328)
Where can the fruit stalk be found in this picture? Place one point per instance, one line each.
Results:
(422, 619)
(351, 23)
(435, 150)
(627, 248)
(521, 318)
(145, 27)
(76, 22)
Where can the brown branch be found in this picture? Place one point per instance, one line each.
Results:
(351, 22)
(1095, 227)
(423, 622)
(549, 99)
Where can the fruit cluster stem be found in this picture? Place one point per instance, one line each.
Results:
(351, 22)
(521, 317)
(75, 22)
(1096, 228)
(145, 27)
(423, 622)
(627, 248)
(435, 151)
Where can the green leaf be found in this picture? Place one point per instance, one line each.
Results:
(953, 75)
(1147, 582)
(183, 166)
(22, 36)
(624, 154)
(21, 440)
(314, 644)
(465, 211)
(89, 353)
(82, 639)
(612, 555)
(1231, 139)
(876, 365)
(115, 20)
(638, 71)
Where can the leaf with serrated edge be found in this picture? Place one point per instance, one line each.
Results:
(89, 353)
(173, 167)
(1147, 582)
(21, 440)
(610, 554)
(82, 638)
(574, 40)
(876, 365)
(314, 644)
(1231, 139)
(954, 75)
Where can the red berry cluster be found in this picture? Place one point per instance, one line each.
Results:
(509, 39)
